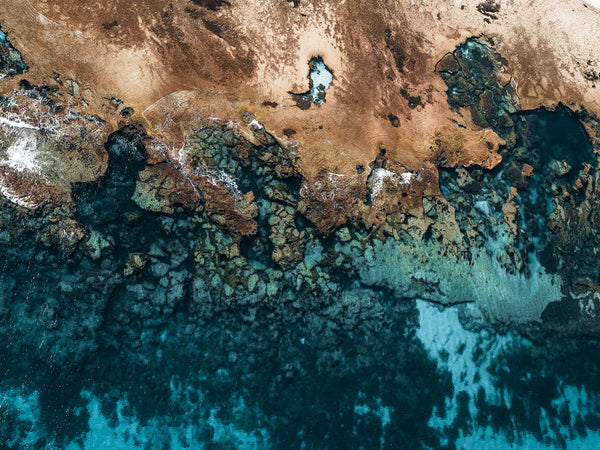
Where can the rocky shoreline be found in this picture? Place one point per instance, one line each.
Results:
(509, 238)
(133, 239)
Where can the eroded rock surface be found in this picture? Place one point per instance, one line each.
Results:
(250, 56)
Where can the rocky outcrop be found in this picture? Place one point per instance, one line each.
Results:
(386, 91)
(161, 187)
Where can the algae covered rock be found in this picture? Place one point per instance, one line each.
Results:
(160, 187)
(357, 306)
(135, 263)
(95, 244)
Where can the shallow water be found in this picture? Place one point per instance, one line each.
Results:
(450, 387)
(92, 358)
(321, 78)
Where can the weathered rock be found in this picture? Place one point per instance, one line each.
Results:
(510, 210)
(135, 263)
(161, 187)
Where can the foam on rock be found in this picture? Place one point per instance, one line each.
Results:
(22, 154)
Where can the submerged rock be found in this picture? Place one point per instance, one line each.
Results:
(135, 263)
(231, 253)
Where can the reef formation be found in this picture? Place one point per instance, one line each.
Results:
(170, 169)
(420, 155)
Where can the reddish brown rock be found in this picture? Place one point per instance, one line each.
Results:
(510, 210)
(332, 200)
(236, 215)
(161, 187)
(27, 189)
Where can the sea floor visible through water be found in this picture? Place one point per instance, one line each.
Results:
(445, 386)
(94, 356)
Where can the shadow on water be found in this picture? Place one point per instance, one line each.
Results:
(557, 146)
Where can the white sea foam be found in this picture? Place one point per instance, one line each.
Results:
(16, 124)
(22, 155)
(256, 123)
(20, 198)
(215, 177)
(335, 178)
(406, 178)
(225, 178)
(380, 175)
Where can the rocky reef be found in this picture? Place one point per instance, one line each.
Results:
(293, 234)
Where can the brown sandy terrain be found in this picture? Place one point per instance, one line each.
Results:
(237, 56)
